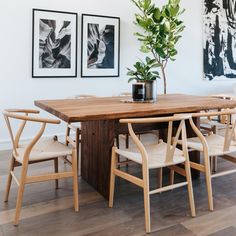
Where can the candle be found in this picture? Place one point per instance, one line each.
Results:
(138, 91)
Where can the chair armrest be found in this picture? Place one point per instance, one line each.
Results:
(176, 117)
(214, 113)
(30, 118)
(30, 111)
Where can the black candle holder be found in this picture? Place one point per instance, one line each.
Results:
(138, 91)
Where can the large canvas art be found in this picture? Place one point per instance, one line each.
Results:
(100, 46)
(219, 39)
(54, 44)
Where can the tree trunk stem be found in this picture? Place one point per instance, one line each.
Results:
(164, 78)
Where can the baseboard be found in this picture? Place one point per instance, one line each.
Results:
(6, 144)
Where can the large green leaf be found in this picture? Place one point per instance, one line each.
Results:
(147, 4)
(144, 49)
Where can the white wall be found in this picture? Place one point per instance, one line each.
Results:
(18, 89)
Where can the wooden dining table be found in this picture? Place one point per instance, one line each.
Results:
(99, 117)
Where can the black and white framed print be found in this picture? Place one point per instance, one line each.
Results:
(54, 46)
(100, 46)
(219, 40)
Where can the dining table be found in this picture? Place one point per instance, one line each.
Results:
(99, 117)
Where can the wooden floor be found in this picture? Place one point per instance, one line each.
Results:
(47, 211)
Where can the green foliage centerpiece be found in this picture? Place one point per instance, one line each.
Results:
(143, 71)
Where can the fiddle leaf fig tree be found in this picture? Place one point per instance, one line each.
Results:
(161, 31)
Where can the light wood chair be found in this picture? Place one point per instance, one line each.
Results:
(212, 124)
(154, 156)
(73, 131)
(35, 151)
(126, 138)
(215, 124)
(213, 145)
(123, 136)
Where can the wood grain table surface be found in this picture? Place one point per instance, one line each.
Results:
(106, 108)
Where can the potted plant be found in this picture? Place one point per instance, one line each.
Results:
(161, 30)
(144, 71)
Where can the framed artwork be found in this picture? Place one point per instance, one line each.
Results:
(54, 46)
(100, 46)
(219, 40)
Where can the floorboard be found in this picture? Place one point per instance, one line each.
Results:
(47, 211)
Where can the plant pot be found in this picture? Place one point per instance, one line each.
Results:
(150, 90)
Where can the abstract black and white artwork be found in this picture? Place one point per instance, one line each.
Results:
(100, 46)
(54, 44)
(219, 39)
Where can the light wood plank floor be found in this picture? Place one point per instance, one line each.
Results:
(47, 211)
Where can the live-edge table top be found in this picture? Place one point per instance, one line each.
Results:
(105, 108)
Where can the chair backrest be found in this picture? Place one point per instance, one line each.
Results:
(230, 129)
(223, 118)
(172, 139)
(22, 115)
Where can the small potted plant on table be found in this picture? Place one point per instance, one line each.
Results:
(144, 71)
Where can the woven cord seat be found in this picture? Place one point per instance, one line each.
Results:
(43, 150)
(156, 155)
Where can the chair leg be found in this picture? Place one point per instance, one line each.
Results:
(147, 208)
(77, 143)
(9, 179)
(67, 134)
(66, 141)
(160, 172)
(112, 178)
(118, 145)
(190, 189)
(78, 158)
(19, 203)
(20, 194)
(56, 171)
(127, 141)
(65, 160)
(117, 141)
(208, 182)
(212, 164)
(75, 180)
(146, 197)
(172, 177)
(127, 146)
(215, 164)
